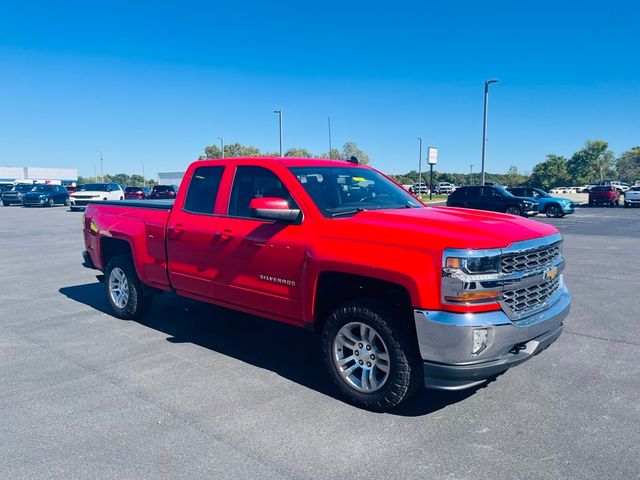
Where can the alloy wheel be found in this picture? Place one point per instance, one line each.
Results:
(118, 287)
(361, 357)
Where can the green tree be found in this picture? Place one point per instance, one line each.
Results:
(629, 165)
(231, 150)
(335, 154)
(299, 153)
(513, 177)
(350, 149)
(594, 161)
(551, 173)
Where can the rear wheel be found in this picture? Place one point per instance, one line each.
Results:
(513, 210)
(6, 204)
(370, 356)
(66, 202)
(124, 290)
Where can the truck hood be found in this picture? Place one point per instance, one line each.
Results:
(444, 227)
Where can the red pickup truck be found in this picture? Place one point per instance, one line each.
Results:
(604, 195)
(403, 295)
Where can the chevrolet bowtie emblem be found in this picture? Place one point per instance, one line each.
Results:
(551, 273)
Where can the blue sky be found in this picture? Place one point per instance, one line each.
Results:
(155, 82)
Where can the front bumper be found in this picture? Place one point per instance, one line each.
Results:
(34, 201)
(445, 340)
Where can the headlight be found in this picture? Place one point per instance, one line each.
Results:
(471, 277)
(474, 265)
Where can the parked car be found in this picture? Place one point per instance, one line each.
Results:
(632, 197)
(46, 196)
(95, 192)
(549, 205)
(419, 188)
(5, 186)
(604, 195)
(444, 188)
(559, 190)
(402, 295)
(136, 193)
(496, 199)
(163, 192)
(587, 188)
(14, 196)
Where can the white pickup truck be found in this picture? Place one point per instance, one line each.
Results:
(632, 197)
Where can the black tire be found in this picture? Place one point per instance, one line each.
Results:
(51, 202)
(137, 303)
(513, 210)
(67, 202)
(405, 367)
(553, 210)
(6, 204)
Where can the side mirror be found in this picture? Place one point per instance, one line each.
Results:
(272, 208)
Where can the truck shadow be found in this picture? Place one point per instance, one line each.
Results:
(291, 352)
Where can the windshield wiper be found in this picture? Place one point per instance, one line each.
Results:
(348, 212)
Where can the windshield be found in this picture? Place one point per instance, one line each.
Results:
(345, 190)
(537, 193)
(43, 188)
(94, 187)
(504, 191)
(23, 188)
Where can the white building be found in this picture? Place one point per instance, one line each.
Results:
(39, 174)
(170, 178)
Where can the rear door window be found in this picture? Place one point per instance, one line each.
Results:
(203, 190)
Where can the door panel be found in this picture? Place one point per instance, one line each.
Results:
(258, 262)
(259, 265)
(191, 235)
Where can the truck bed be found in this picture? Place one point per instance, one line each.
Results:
(157, 204)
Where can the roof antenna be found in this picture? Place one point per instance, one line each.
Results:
(353, 159)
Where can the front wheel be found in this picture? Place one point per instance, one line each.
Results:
(553, 211)
(124, 289)
(513, 210)
(6, 204)
(50, 202)
(368, 352)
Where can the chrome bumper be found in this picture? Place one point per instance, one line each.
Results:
(445, 340)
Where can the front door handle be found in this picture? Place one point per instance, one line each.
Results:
(178, 228)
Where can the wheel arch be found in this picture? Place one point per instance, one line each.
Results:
(335, 288)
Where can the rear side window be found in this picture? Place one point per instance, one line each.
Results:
(203, 190)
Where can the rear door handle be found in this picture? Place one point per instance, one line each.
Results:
(226, 234)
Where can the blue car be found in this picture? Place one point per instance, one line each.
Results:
(551, 206)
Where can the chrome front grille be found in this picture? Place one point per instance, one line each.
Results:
(534, 259)
(526, 300)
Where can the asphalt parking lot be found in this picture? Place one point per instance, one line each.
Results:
(195, 391)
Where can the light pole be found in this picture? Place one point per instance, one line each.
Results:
(484, 122)
(279, 112)
(420, 167)
(329, 123)
(144, 180)
(221, 146)
(471, 174)
(101, 169)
